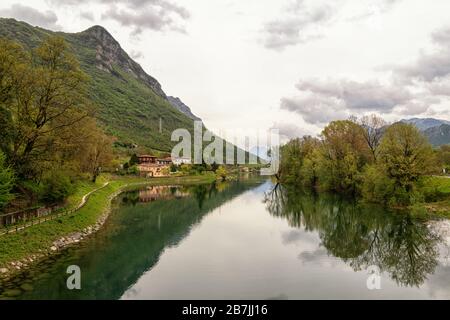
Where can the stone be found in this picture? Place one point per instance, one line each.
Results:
(53, 248)
(3, 270)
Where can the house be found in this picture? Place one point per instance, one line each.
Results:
(151, 166)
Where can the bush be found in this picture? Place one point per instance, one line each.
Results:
(56, 186)
(222, 173)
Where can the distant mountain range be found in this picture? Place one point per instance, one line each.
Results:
(436, 130)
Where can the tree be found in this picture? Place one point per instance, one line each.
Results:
(44, 98)
(343, 157)
(298, 161)
(373, 126)
(444, 157)
(133, 160)
(406, 154)
(98, 152)
(6, 182)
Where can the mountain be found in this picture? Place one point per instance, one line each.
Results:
(179, 105)
(438, 136)
(426, 123)
(131, 104)
(436, 130)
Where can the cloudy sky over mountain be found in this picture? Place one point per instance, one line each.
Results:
(294, 64)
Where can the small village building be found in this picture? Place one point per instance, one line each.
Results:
(151, 166)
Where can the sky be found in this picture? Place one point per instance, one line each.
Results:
(294, 65)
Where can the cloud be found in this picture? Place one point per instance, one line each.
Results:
(298, 24)
(429, 67)
(303, 21)
(135, 55)
(320, 101)
(314, 109)
(289, 130)
(140, 15)
(35, 17)
(87, 15)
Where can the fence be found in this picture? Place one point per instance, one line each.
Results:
(17, 221)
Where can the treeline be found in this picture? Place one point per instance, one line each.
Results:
(367, 157)
(48, 136)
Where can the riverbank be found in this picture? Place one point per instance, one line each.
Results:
(20, 250)
(437, 189)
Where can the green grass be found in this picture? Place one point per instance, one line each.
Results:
(437, 196)
(38, 238)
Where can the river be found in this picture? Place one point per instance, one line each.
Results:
(247, 240)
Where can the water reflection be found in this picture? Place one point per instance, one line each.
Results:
(361, 236)
(143, 224)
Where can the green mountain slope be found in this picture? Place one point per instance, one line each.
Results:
(438, 136)
(130, 104)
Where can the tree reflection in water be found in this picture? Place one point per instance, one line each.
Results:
(362, 235)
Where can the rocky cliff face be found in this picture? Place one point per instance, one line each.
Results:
(178, 104)
(109, 53)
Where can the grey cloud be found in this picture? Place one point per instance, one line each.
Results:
(87, 15)
(301, 25)
(303, 21)
(289, 130)
(429, 67)
(314, 109)
(322, 101)
(369, 95)
(313, 257)
(157, 15)
(45, 19)
(294, 236)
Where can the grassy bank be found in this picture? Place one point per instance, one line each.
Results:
(437, 190)
(39, 238)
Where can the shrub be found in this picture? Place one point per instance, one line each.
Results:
(56, 186)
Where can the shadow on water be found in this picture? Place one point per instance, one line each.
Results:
(142, 225)
(362, 235)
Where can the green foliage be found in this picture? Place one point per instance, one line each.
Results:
(222, 173)
(377, 187)
(133, 170)
(352, 159)
(6, 182)
(133, 160)
(57, 186)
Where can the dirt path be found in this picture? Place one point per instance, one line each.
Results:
(49, 217)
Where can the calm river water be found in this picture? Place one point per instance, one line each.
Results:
(247, 240)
